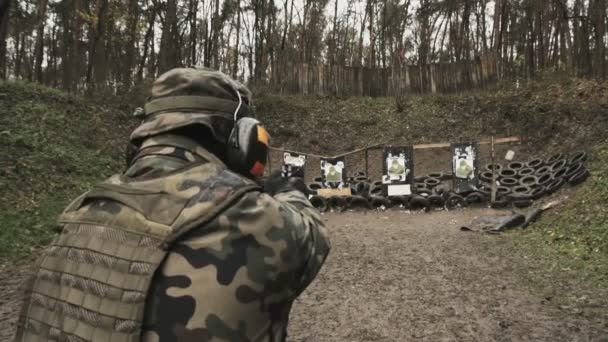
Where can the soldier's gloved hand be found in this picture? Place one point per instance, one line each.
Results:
(276, 184)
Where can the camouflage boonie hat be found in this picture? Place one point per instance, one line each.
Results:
(187, 96)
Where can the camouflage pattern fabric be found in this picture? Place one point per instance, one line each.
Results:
(236, 280)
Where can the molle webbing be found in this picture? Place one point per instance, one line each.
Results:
(92, 285)
(93, 280)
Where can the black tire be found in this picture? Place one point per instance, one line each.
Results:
(528, 181)
(486, 176)
(554, 158)
(579, 157)
(436, 201)
(491, 167)
(520, 190)
(485, 191)
(315, 185)
(358, 202)
(418, 202)
(499, 203)
(502, 191)
(400, 201)
(448, 175)
(519, 196)
(527, 171)
(558, 165)
(432, 182)
(554, 186)
(361, 179)
(535, 163)
(579, 177)
(377, 183)
(379, 202)
(455, 201)
(560, 173)
(438, 175)
(574, 169)
(523, 203)
(311, 191)
(319, 202)
(544, 180)
(361, 189)
(376, 191)
(318, 179)
(420, 179)
(361, 174)
(420, 186)
(545, 170)
(507, 173)
(516, 165)
(474, 198)
(337, 203)
(440, 190)
(424, 192)
(537, 193)
(509, 181)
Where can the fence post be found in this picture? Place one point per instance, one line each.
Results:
(367, 163)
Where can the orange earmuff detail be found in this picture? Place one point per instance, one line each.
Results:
(263, 136)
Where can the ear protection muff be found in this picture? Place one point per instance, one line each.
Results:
(247, 146)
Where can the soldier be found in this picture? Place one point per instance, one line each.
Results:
(180, 247)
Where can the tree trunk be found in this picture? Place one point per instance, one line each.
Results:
(39, 48)
(235, 65)
(4, 23)
(372, 37)
(597, 13)
(131, 46)
(216, 31)
(194, 32)
(97, 69)
(149, 36)
(168, 57)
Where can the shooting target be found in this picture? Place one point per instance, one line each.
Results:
(465, 165)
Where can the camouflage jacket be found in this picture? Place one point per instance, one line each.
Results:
(234, 279)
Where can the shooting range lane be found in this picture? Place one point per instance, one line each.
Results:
(393, 276)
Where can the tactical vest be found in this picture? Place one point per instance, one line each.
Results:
(92, 282)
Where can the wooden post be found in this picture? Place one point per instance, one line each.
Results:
(367, 163)
(493, 196)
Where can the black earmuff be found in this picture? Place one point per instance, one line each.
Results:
(247, 148)
(248, 143)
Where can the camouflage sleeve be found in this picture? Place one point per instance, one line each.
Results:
(236, 278)
(306, 218)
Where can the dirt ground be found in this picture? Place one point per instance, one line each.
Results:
(395, 276)
(399, 276)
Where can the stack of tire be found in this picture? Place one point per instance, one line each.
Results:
(518, 184)
(521, 183)
(368, 194)
(365, 195)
